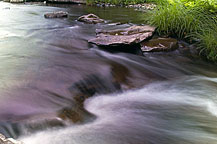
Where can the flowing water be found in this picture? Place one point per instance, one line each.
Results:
(161, 98)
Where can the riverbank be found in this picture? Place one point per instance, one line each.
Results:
(194, 22)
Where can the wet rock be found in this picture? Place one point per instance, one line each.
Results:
(91, 19)
(92, 85)
(4, 140)
(128, 36)
(159, 44)
(58, 14)
(70, 114)
(75, 114)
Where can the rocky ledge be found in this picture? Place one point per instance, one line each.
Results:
(4, 140)
(128, 36)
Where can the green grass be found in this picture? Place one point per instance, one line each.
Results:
(190, 20)
(208, 40)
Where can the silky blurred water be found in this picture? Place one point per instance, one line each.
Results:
(165, 98)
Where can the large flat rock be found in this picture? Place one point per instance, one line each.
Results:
(128, 36)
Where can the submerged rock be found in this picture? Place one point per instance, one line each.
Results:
(128, 36)
(159, 44)
(58, 14)
(91, 85)
(4, 140)
(91, 19)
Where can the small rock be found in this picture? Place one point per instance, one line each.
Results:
(128, 36)
(159, 44)
(58, 14)
(91, 19)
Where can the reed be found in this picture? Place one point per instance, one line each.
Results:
(188, 19)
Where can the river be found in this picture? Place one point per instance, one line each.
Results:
(156, 98)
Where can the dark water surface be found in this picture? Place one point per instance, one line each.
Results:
(172, 98)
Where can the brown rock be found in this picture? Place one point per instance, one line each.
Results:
(58, 14)
(128, 36)
(70, 114)
(91, 19)
(159, 44)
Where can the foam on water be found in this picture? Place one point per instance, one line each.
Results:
(162, 112)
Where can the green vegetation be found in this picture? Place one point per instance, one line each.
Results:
(193, 20)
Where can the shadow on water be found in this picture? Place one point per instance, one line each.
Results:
(56, 88)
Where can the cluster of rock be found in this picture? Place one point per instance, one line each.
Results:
(140, 7)
(143, 7)
(4, 140)
(105, 5)
(131, 36)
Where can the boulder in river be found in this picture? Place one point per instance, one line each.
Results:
(4, 140)
(128, 36)
(159, 44)
(58, 14)
(91, 19)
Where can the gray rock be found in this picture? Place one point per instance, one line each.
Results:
(128, 36)
(159, 44)
(91, 19)
(4, 140)
(58, 14)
